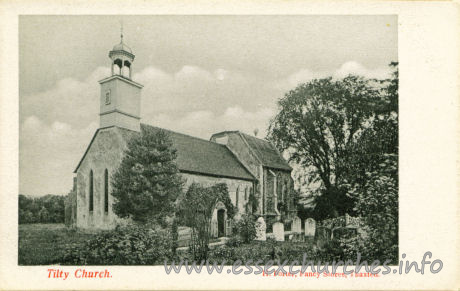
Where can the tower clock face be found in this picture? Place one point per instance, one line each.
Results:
(107, 97)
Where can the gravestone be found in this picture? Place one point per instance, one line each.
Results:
(261, 229)
(296, 225)
(310, 227)
(278, 231)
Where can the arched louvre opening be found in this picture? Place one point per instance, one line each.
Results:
(106, 191)
(91, 191)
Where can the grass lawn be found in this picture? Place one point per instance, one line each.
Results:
(43, 244)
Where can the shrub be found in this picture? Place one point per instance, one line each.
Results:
(246, 228)
(265, 251)
(377, 203)
(131, 245)
(234, 241)
(195, 210)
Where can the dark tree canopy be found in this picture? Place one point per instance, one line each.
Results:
(338, 128)
(45, 209)
(147, 183)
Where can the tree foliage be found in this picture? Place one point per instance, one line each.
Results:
(377, 204)
(45, 209)
(376, 187)
(339, 130)
(147, 183)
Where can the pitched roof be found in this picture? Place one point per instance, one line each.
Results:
(266, 152)
(197, 155)
(200, 156)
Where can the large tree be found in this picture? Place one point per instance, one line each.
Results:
(147, 183)
(333, 128)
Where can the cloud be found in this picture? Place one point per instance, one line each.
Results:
(48, 154)
(348, 68)
(204, 123)
(75, 101)
(354, 68)
(56, 125)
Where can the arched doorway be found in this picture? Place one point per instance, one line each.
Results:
(219, 220)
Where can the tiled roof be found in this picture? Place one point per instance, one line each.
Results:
(195, 155)
(266, 152)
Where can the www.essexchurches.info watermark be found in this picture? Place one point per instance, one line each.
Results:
(294, 268)
(276, 268)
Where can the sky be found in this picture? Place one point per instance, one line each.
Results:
(201, 74)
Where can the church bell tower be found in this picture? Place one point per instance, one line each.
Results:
(120, 96)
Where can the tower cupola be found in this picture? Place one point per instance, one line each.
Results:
(122, 59)
(120, 101)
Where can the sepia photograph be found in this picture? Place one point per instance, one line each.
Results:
(154, 140)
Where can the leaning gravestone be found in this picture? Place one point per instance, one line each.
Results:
(278, 231)
(310, 227)
(261, 229)
(296, 225)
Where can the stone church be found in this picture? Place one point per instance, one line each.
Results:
(245, 163)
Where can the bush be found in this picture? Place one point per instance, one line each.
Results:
(234, 241)
(377, 203)
(195, 210)
(265, 251)
(246, 228)
(131, 245)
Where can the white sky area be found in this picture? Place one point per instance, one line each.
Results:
(202, 74)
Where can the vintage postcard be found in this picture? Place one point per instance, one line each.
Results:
(302, 145)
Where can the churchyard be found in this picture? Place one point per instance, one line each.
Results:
(45, 244)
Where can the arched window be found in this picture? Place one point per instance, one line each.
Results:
(106, 191)
(237, 197)
(91, 191)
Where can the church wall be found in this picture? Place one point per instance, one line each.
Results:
(241, 150)
(105, 153)
(278, 190)
(232, 184)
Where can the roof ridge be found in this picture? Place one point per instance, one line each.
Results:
(251, 136)
(184, 134)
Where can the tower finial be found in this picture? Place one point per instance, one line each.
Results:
(121, 30)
